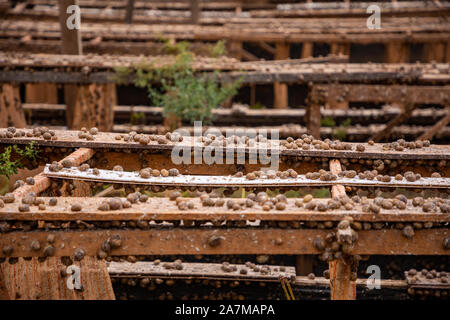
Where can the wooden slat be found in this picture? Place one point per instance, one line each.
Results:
(67, 138)
(235, 241)
(194, 271)
(429, 134)
(41, 182)
(129, 177)
(162, 209)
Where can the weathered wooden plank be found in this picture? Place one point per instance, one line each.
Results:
(235, 241)
(191, 270)
(35, 280)
(206, 180)
(162, 209)
(68, 138)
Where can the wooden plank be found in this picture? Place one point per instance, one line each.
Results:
(69, 138)
(384, 134)
(208, 180)
(313, 115)
(94, 107)
(437, 127)
(195, 11)
(41, 182)
(141, 269)
(35, 280)
(307, 49)
(41, 93)
(382, 93)
(71, 44)
(194, 241)
(162, 209)
(71, 39)
(341, 286)
(11, 106)
(129, 11)
(281, 95)
(396, 52)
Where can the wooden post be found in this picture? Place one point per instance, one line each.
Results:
(341, 285)
(252, 94)
(235, 49)
(434, 52)
(129, 12)
(94, 107)
(35, 280)
(316, 98)
(41, 93)
(307, 50)
(71, 39)
(281, 97)
(195, 11)
(11, 107)
(313, 118)
(304, 264)
(396, 52)
(447, 52)
(71, 44)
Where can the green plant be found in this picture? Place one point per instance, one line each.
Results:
(257, 105)
(9, 167)
(136, 116)
(218, 49)
(182, 92)
(327, 122)
(341, 131)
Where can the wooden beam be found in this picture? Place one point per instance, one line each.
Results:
(71, 39)
(267, 47)
(304, 264)
(394, 93)
(437, 127)
(396, 52)
(402, 117)
(163, 209)
(193, 241)
(34, 280)
(341, 286)
(434, 52)
(104, 140)
(94, 107)
(71, 44)
(281, 95)
(41, 93)
(11, 111)
(307, 49)
(195, 11)
(129, 12)
(41, 182)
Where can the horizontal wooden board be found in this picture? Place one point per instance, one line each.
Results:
(68, 138)
(235, 241)
(163, 209)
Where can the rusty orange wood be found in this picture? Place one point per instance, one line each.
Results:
(41, 182)
(34, 280)
(193, 241)
(341, 286)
